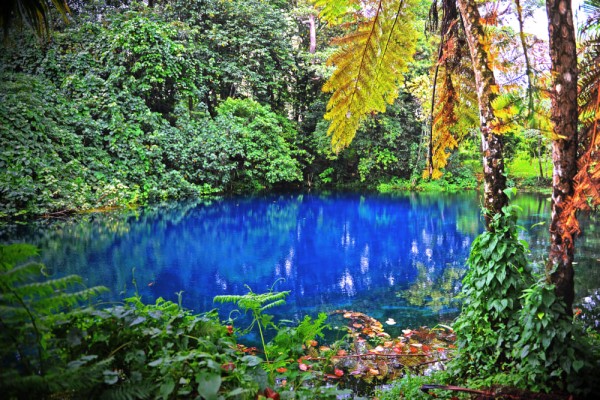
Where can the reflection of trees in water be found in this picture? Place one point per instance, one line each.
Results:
(437, 293)
(338, 249)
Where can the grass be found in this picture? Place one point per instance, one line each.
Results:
(524, 168)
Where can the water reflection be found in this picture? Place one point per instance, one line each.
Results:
(334, 251)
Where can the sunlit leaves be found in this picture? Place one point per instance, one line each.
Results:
(369, 66)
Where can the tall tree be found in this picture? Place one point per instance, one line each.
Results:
(563, 57)
(491, 144)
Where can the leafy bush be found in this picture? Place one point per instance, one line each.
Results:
(487, 327)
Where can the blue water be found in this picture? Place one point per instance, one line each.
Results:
(331, 251)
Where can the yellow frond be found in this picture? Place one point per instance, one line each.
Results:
(368, 67)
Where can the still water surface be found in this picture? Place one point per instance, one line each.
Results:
(398, 257)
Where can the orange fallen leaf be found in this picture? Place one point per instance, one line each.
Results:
(342, 353)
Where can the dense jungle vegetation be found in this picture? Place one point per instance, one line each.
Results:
(127, 104)
(121, 103)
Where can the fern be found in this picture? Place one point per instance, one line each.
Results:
(257, 303)
(28, 303)
(128, 391)
(369, 63)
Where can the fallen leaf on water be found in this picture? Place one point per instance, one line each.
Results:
(390, 321)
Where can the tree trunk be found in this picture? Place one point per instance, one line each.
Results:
(540, 155)
(313, 34)
(563, 56)
(491, 145)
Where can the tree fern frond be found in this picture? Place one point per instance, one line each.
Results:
(20, 274)
(369, 67)
(50, 286)
(128, 391)
(16, 253)
(62, 300)
(335, 12)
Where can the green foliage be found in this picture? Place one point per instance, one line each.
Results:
(166, 350)
(113, 112)
(257, 304)
(50, 346)
(487, 327)
(30, 309)
(264, 142)
(551, 351)
(409, 387)
(513, 331)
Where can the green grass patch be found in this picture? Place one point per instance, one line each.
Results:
(524, 167)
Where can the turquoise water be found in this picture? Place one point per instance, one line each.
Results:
(387, 256)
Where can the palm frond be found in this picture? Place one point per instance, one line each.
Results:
(33, 13)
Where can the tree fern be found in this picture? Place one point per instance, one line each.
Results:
(453, 114)
(28, 303)
(369, 63)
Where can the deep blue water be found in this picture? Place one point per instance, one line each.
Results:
(333, 251)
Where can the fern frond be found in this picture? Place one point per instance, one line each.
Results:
(129, 391)
(369, 66)
(16, 253)
(20, 274)
(64, 300)
(49, 287)
(336, 12)
(273, 304)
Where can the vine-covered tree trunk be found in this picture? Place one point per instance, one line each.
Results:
(491, 144)
(564, 148)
